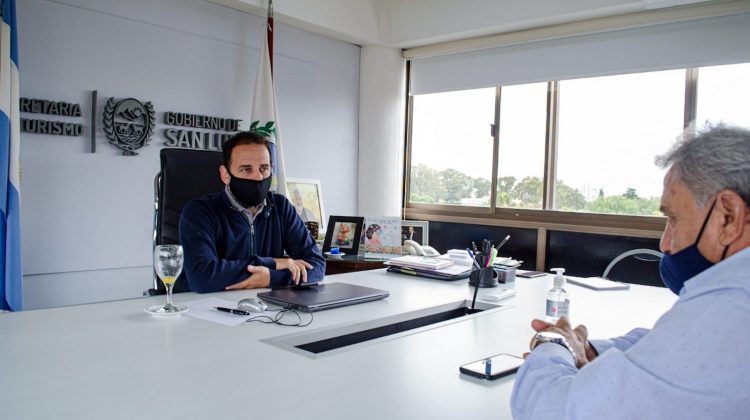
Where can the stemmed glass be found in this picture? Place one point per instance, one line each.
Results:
(168, 260)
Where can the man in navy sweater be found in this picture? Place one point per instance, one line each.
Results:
(236, 239)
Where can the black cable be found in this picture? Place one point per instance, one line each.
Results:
(280, 314)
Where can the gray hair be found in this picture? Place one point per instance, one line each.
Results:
(714, 159)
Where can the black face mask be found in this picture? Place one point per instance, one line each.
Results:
(249, 192)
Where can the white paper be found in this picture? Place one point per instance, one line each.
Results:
(597, 283)
(205, 309)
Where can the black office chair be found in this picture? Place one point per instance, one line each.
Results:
(642, 268)
(185, 174)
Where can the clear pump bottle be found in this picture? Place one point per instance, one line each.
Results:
(558, 300)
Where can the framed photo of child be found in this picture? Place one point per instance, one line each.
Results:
(343, 233)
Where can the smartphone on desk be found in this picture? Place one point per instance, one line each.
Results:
(493, 367)
(530, 274)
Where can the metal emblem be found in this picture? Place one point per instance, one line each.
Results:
(129, 124)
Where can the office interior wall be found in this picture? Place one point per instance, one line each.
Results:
(87, 217)
(381, 131)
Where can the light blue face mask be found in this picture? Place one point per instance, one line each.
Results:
(676, 269)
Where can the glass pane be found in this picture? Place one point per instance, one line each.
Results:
(520, 165)
(610, 130)
(451, 147)
(722, 95)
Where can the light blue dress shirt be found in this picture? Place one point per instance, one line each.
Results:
(694, 363)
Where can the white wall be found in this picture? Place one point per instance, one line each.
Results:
(87, 218)
(381, 131)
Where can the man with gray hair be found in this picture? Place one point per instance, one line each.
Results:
(693, 363)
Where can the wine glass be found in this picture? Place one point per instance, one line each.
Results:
(168, 260)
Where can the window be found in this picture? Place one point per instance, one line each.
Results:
(610, 130)
(570, 146)
(522, 133)
(451, 147)
(722, 95)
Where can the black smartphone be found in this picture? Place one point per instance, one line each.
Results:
(493, 367)
(531, 274)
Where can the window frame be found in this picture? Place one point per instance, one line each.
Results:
(546, 217)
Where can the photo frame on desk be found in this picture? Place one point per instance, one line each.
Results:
(415, 230)
(343, 233)
(307, 198)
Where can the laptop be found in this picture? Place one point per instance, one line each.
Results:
(322, 296)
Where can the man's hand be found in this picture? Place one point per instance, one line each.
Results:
(259, 277)
(577, 338)
(298, 268)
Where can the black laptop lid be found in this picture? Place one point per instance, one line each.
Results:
(323, 296)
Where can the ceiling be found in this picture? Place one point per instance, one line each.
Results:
(415, 23)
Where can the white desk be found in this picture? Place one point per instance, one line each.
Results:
(111, 360)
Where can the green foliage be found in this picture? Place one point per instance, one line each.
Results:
(568, 198)
(457, 186)
(619, 204)
(450, 186)
(527, 193)
(505, 184)
(481, 187)
(266, 131)
(630, 194)
(416, 198)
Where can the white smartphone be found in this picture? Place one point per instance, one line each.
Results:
(493, 367)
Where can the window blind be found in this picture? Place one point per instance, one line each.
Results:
(694, 43)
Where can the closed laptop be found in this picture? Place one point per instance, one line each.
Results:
(322, 296)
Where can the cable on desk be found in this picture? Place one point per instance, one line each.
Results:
(280, 314)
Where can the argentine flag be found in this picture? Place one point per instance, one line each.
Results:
(11, 277)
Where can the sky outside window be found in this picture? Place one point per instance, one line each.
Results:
(610, 130)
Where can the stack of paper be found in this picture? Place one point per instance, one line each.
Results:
(506, 262)
(415, 261)
(436, 268)
(460, 256)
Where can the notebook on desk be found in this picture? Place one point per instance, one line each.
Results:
(322, 296)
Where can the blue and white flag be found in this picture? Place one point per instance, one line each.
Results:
(264, 115)
(11, 276)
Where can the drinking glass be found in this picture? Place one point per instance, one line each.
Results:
(168, 260)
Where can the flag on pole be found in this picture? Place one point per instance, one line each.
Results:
(264, 115)
(11, 277)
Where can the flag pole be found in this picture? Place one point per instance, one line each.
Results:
(269, 34)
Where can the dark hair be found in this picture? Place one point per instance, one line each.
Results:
(371, 230)
(243, 137)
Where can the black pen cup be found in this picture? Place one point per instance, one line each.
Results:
(486, 277)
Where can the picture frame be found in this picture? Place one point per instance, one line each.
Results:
(343, 233)
(415, 230)
(382, 237)
(307, 198)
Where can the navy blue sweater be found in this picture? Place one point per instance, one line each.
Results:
(219, 243)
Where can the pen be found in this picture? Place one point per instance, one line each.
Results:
(473, 259)
(502, 242)
(492, 258)
(232, 311)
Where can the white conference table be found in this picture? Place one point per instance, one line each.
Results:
(112, 360)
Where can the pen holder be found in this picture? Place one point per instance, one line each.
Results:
(487, 277)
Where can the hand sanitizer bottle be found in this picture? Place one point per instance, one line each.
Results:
(558, 302)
